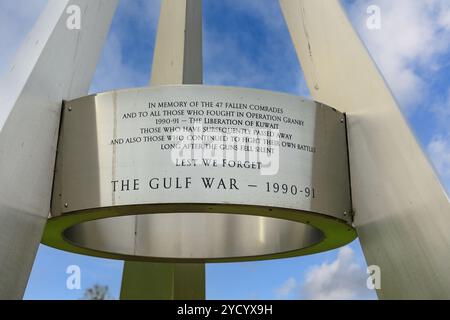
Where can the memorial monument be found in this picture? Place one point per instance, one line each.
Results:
(179, 174)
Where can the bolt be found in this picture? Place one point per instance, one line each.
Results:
(70, 109)
(66, 205)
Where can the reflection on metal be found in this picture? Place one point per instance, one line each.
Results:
(54, 64)
(402, 214)
(110, 172)
(196, 236)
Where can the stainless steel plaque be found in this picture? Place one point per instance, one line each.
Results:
(198, 173)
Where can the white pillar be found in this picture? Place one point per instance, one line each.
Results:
(402, 214)
(178, 59)
(55, 63)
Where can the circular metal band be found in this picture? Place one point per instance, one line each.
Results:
(126, 188)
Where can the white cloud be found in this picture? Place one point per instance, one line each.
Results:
(441, 110)
(252, 48)
(439, 151)
(286, 289)
(410, 43)
(342, 279)
(411, 49)
(438, 148)
(265, 10)
(115, 70)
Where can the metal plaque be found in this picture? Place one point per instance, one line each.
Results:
(198, 173)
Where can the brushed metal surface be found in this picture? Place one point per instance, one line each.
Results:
(194, 235)
(93, 167)
(53, 64)
(98, 155)
(402, 214)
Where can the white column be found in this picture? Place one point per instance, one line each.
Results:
(177, 59)
(55, 63)
(401, 211)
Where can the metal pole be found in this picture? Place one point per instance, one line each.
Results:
(177, 60)
(56, 63)
(402, 213)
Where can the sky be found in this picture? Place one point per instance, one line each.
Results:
(246, 43)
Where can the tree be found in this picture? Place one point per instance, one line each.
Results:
(97, 292)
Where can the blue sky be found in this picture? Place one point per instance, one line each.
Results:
(246, 43)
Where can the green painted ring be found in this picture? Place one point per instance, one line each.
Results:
(336, 232)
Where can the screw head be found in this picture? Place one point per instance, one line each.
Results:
(66, 205)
